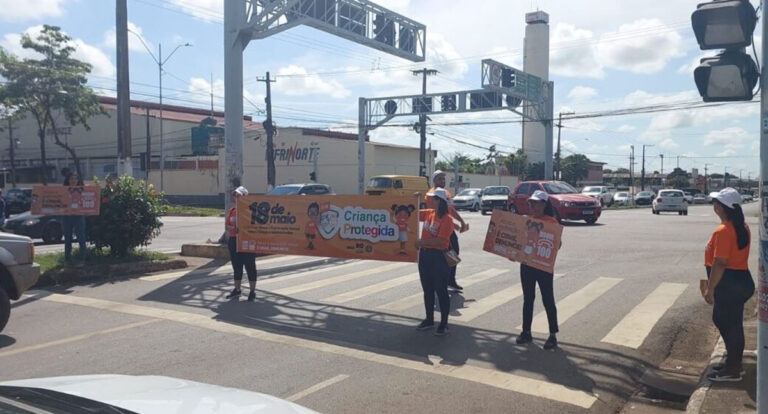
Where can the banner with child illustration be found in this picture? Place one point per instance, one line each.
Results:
(524, 239)
(349, 227)
(59, 200)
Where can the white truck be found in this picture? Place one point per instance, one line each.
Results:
(18, 271)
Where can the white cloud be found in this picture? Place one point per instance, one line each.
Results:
(443, 55)
(735, 137)
(669, 144)
(627, 128)
(308, 84)
(645, 54)
(208, 10)
(134, 43)
(574, 56)
(20, 10)
(582, 93)
(201, 88)
(567, 145)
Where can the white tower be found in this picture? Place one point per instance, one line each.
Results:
(536, 142)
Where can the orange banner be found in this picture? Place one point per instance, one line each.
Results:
(524, 239)
(349, 227)
(58, 200)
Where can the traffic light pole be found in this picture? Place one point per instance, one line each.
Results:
(762, 287)
(269, 126)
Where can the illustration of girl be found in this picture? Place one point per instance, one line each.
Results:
(532, 232)
(310, 231)
(402, 214)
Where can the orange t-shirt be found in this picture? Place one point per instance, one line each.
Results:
(231, 222)
(436, 228)
(723, 245)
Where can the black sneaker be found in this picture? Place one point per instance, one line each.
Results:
(442, 330)
(235, 293)
(456, 287)
(720, 367)
(524, 338)
(251, 296)
(723, 376)
(425, 325)
(551, 342)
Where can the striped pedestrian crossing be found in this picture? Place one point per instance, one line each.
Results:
(317, 284)
(372, 289)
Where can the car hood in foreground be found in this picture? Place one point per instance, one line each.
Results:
(156, 394)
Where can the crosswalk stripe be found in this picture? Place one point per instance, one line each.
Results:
(305, 273)
(485, 305)
(164, 276)
(575, 302)
(635, 327)
(370, 290)
(339, 279)
(416, 299)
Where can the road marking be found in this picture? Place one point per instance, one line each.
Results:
(339, 279)
(370, 290)
(497, 379)
(413, 300)
(635, 327)
(487, 304)
(165, 276)
(76, 338)
(317, 387)
(574, 303)
(306, 273)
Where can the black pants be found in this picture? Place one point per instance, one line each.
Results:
(454, 246)
(240, 260)
(434, 273)
(734, 289)
(529, 277)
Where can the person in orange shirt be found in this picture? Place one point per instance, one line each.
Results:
(433, 268)
(438, 181)
(726, 259)
(239, 260)
(541, 209)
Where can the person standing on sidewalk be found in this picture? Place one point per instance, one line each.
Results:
(730, 283)
(433, 267)
(540, 209)
(76, 223)
(239, 260)
(438, 181)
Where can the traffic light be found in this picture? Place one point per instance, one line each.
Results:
(507, 78)
(313, 176)
(448, 103)
(422, 105)
(731, 75)
(384, 30)
(484, 100)
(407, 40)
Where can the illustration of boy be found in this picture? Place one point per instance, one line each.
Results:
(402, 214)
(532, 232)
(310, 231)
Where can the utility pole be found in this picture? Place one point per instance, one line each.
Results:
(678, 161)
(631, 172)
(148, 160)
(706, 179)
(455, 174)
(211, 94)
(269, 126)
(642, 177)
(725, 178)
(12, 151)
(123, 91)
(762, 285)
(315, 156)
(423, 120)
(662, 163)
(557, 155)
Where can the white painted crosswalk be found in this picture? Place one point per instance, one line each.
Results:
(317, 284)
(372, 289)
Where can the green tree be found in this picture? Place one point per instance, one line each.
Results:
(516, 163)
(678, 178)
(575, 168)
(49, 86)
(535, 171)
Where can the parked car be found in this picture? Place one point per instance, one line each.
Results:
(18, 200)
(18, 271)
(688, 197)
(644, 198)
(48, 228)
(699, 199)
(494, 198)
(670, 200)
(746, 198)
(135, 394)
(568, 203)
(468, 199)
(397, 185)
(601, 193)
(622, 198)
(301, 189)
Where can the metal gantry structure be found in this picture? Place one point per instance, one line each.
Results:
(504, 88)
(360, 21)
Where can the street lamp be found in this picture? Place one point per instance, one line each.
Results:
(160, 63)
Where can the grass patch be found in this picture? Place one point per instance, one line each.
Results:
(53, 261)
(193, 211)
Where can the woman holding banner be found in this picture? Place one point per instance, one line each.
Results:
(76, 223)
(239, 260)
(433, 267)
(540, 209)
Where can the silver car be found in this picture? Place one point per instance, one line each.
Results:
(468, 199)
(18, 272)
(622, 198)
(670, 200)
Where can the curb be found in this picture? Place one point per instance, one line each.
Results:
(696, 401)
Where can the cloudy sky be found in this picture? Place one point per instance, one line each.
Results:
(606, 55)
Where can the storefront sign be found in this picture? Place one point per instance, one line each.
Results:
(58, 200)
(294, 153)
(523, 239)
(351, 227)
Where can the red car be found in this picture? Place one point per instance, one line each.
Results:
(568, 203)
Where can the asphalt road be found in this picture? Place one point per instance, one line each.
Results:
(340, 338)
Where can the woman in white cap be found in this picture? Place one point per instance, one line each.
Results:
(239, 260)
(730, 282)
(540, 209)
(433, 268)
(438, 181)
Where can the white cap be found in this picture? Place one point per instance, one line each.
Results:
(241, 191)
(539, 195)
(439, 193)
(435, 174)
(729, 197)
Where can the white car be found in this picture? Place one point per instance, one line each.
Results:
(139, 394)
(670, 200)
(688, 197)
(746, 198)
(700, 199)
(601, 193)
(18, 271)
(468, 199)
(622, 198)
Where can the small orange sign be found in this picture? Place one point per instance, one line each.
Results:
(524, 239)
(59, 200)
(350, 227)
